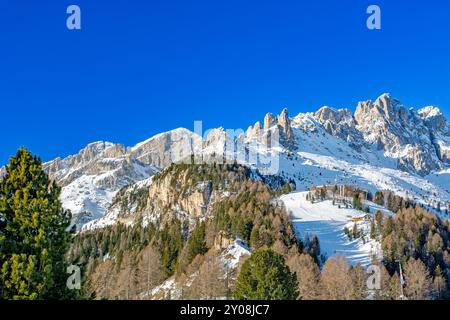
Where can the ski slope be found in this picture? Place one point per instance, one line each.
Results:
(327, 221)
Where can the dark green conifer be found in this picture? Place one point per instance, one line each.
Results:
(33, 232)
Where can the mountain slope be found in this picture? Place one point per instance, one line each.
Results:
(92, 177)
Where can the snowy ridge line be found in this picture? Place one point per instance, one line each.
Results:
(381, 146)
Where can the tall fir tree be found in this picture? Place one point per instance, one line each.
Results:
(265, 276)
(379, 198)
(196, 243)
(33, 232)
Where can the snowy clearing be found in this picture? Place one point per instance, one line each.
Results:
(327, 221)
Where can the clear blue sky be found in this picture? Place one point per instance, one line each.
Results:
(141, 67)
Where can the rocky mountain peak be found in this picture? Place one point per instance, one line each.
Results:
(404, 134)
(385, 109)
(326, 113)
(254, 131)
(418, 140)
(269, 121)
(283, 118)
(333, 115)
(433, 117)
(166, 148)
(284, 122)
(340, 123)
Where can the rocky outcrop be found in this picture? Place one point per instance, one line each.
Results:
(109, 162)
(222, 241)
(340, 123)
(166, 201)
(2, 172)
(402, 133)
(334, 116)
(439, 131)
(418, 140)
(269, 121)
(64, 171)
(276, 131)
(253, 132)
(285, 124)
(279, 127)
(91, 177)
(186, 193)
(434, 119)
(166, 148)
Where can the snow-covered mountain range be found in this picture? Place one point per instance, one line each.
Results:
(383, 145)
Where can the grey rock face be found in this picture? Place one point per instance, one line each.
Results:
(419, 140)
(439, 131)
(402, 133)
(166, 148)
(86, 161)
(254, 131)
(285, 123)
(2, 172)
(90, 178)
(340, 123)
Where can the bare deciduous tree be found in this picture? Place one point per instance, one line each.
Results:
(150, 269)
(418, 281)
(359, 285)
(209, 282)
(335, 280)
(308, 275)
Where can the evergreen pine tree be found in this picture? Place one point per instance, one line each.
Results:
(33, 232)
(196, 243)
(357, 202)
(391, 203)
(379, 198)
(265, 276)
(439, 283)
(373, 231)
(355, 231)
(286, 188)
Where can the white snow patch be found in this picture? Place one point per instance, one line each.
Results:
(233, 254)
